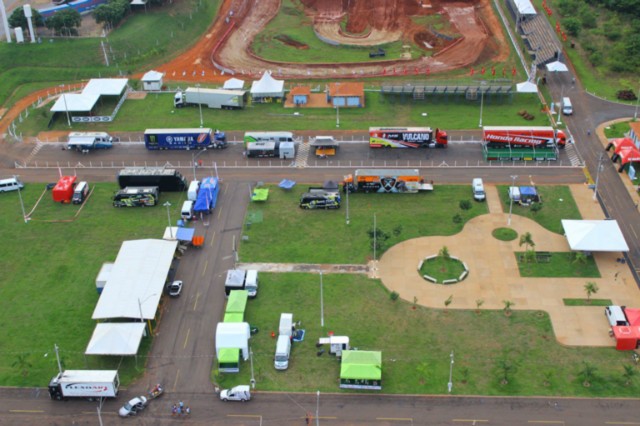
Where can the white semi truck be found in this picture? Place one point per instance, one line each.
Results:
(212, 98)
(89, 384)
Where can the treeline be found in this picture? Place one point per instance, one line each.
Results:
(607, 30)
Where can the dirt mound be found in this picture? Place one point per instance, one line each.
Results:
(291, 42)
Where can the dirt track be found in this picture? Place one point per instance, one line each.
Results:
(228, 40)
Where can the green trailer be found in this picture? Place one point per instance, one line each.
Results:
(519, 154)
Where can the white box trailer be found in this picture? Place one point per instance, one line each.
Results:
(211, 98)
(286, 325)
(85, 141)
(234, 281)
(90, 384)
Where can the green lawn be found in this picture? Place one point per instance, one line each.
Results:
(557, 204)
(504, 234)
(157, 111)
(560, 265)
(587, 302)
(48, 279)
(442, 268)
(286, 233)
(416, 344)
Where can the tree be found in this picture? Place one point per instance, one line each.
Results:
(548, 375)
(448, 302)
(65, 22)
(535, 208)
(380, 237)
(423, 372)
(527, 241)
(111, 13)
(17, 18)
(505, 369)
(507, 307)
(479, 302)
(465, 205)
(588, 373)
(591, 288)
(444, 252)
(573, 26)
(579, 258)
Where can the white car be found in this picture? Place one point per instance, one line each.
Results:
(238, 393)
(134, 406)
(175, 288)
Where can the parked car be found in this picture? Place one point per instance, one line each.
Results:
(237, 393)
(175, 288)
(133, 407)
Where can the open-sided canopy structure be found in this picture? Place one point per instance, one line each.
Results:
(116, 339)
(557, 66)
(137, 280)
(361, 370)
(75, 102)
(594, 235)
(267, 87)
(527, 87)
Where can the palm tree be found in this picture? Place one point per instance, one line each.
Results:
(448, 302)
(587, 373)
(591, 288)
(629, 372)
(579, 258)
(444, 252)
(527, 241)
(507, 307)
(479, 302)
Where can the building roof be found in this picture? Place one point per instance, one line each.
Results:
(106, 86)
(75, 102)
(300, 90)
(346, 89)
(116, 338)
(151, 76)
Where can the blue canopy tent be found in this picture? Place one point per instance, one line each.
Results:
(287, 184)
(207, 195)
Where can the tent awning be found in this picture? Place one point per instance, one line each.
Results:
(233, 84)
(229, 355)
(237, 302)
(267, 86)
(557, 66)
(116, 339)
(594, 235)
(233, 317)
(75, 102)
(178, 233)
(633, 316)
(106, 86)
(260, 194)
(527, 87)
(361, 365)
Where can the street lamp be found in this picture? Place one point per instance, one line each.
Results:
(66, 108)
(167, 205)
(560, 106)
(513, 184)
(481, 106)
(318, 409)
(140, 308)
(450, 384)
(321, 303)
(600, 167)
(193, 161)
(253, 380)
(347, 191)
(24, 214)
(337, 115)
(200, 105)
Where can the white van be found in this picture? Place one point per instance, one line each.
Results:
(478, 189)
(285, 328)
(80, 193)
(251, 283)
(11, 184)
(283, 350)
(567, 108)
(187, 210)
(192, 193)
(615, 315)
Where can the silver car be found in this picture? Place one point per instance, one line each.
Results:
(134, 406)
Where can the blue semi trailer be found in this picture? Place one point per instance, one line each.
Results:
(187, 139)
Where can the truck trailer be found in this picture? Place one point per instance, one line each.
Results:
(158, 139)
(90, 384)
(529, 137)
(407, 137)
(165, 179)
(63, 191)
(390, 181)
(87, 141)
(211, 98)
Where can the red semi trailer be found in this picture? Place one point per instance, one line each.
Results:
(537, 137)
(63, 191)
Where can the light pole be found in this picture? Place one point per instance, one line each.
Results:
(374, 237)
(253, 380)
(318, 409)
(24, 214)
(560, 106)
(66, 108)
(140, 308)
(513, 184)
(200, 105)
(595, 192)
(193, 161)
(167, 205)
(481, 106)
(321, 303)
(347, 191)
(337, 115)
(450, 384)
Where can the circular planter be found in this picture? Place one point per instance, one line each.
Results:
(435, 260)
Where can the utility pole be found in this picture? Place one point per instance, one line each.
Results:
(513, 184)
(595, 192)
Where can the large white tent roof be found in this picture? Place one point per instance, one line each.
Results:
(121, 338)
(75, 102)
(527, 87)
(137, 280)
(106, 86)
(594, 235)
(267, 86)
(525, 7)
(557, 66)
(233, 84)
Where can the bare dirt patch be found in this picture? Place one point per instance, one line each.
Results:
(291, 42)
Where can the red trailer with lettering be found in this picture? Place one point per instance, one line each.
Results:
(63, 191)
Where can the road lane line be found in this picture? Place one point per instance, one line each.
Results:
(206, 263)
(622, 423)
(186, 339)
(395, 419)
(175, 382)
(547, 422)
(30, 411)
(219, 213)
(196, 301)
(212, 238)
(257, 416)
(473, 421)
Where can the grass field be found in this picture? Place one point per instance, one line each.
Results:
(157, 111)
(442, 268)
(48, 276)
(319, 236)
(416, 344)
(587, 302)
(557, 204)
(560, 265)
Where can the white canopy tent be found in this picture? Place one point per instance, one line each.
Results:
(75, 102)
(525, 7)
(557, 66)
(106, 86)
(594, 235)
(233, 84)
(116, 339)
(527, 87)
(137, 280)
(267, 86)
(234, 335)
